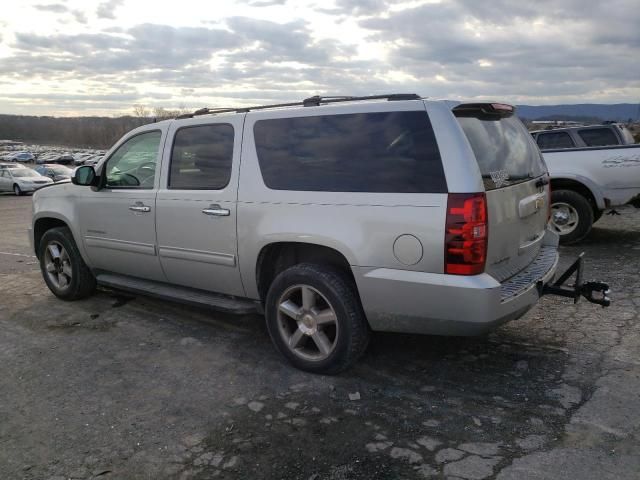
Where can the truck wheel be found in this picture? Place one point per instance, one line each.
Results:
(62, 266)
(571, 216)
(315, 319)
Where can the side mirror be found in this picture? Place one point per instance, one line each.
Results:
(85, 175)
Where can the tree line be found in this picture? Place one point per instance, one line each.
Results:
(81, 132)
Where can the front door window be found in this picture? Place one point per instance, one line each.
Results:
(133, 165)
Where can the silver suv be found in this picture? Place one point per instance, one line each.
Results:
(333, 216)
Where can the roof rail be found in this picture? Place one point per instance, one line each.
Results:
(314, 101)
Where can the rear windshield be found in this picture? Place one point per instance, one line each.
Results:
(504, 149)
(362, 152)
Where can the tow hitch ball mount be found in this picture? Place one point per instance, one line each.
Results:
(578, 289)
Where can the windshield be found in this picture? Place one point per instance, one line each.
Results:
(24, 172)
(504, 149)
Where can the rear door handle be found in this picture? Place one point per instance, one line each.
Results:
(217, 211)
(139, 208)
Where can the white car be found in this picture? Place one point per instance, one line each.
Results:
(12, 165)
(21, 180)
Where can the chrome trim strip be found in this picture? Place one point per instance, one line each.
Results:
(197, 256)
(124, 245)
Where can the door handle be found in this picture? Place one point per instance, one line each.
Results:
(139, 208)
(217, 211)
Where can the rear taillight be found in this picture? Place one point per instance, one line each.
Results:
(466, 234)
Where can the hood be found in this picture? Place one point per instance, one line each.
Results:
(34, 178)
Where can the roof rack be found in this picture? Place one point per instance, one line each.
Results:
(314, 101)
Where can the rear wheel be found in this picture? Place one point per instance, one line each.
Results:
(571, 216)
(62, 266)
(315, 319)
(17, 190)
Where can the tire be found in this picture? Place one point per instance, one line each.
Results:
(308, 322)
(17, 190)
(68, 278)
(571, 216)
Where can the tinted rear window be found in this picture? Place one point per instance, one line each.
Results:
(504, 149)
(363, 152)
(598, 137)
(548, 141)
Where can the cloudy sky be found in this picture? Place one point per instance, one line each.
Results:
(80, 57)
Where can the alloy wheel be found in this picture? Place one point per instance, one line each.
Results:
(564, 218)
(307, 323)
(58, 265)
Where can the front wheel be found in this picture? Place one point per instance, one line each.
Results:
(571, 216)
(62, 266)
(17, 190)
(315, 319)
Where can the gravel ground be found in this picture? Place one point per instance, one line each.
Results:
(119, 386)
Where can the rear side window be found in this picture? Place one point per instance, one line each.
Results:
(598, 137)
(504, 149)
(201, 157)
(364, 152)
(551, 140)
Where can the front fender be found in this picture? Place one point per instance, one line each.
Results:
(60, 208)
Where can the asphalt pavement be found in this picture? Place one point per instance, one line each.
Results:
(125, 387)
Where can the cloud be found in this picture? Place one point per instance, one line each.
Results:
(107, 9)
(511, 48)
(60, 8)
(52, 7)
(80, 16)
(265, 3)
(546, 52)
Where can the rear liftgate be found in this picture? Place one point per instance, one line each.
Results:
(578, 289)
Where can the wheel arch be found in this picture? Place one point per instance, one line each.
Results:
(48, 221)
(581, 186)
(276, 257)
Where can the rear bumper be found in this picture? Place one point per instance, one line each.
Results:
(438, 304)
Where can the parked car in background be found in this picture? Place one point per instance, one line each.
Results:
(22, 157)
(62, 159)
(57, 173)
(12, 165)
(585, 136)
(21, 180)
(80, 158)
(94, 159)
(586, 181)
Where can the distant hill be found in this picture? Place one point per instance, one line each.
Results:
(620, 112)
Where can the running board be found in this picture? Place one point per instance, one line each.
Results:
(188, 296)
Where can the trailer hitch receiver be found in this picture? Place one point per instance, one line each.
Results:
(579, 288)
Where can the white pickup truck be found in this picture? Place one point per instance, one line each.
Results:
(585, 181)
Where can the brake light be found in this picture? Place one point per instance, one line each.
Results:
(466, 234)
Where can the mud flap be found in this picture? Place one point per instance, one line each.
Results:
(579, 288)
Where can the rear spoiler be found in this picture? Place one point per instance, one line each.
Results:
(494, 110)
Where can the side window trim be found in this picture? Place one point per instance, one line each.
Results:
(103, 173)
(170, 157)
